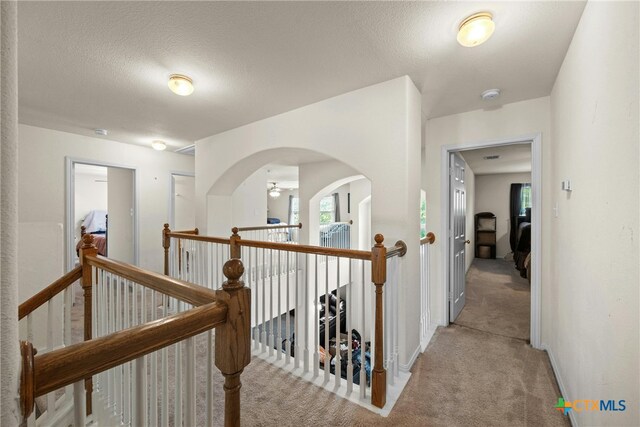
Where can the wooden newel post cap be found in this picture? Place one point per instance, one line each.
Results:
(166, 227)
(234, 230)
(233, 271)
(379, 238)
(87, 241)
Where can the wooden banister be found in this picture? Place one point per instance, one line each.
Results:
(268, 227)
(198, 237)
(429, 239)
(306, 249)
(184, 291)
(49, 292)
(194, 231)
(399, 249)
(65, 366)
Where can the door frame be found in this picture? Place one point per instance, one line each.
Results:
(70, 196)
(172, 189)
(535, 140)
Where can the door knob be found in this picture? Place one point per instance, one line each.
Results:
(467, 242)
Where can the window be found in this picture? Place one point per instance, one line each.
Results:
(525, 198)
(327, 210)
(294, 210)
(423, 216)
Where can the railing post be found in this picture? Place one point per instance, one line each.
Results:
(88, 248)
(379, 277)
(166, 243)
(233, 339)
(234, 246)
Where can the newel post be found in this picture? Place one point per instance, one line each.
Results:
(87, 249)
(166, 243)
(233, 339)
(234, 246)
(379, 277)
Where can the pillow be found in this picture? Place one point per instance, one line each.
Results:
(486, 224)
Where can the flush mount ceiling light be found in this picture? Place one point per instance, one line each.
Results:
(490, 94)
(274, 191)
(101, 132)
(181, 84)
(158, 145)
(476, 29)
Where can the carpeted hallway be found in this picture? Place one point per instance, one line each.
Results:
(481, 372)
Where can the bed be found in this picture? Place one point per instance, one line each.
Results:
(96, 224)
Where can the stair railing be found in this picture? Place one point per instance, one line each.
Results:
(285, 278)
(227, 310)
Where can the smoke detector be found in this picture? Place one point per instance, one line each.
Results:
(490, 94)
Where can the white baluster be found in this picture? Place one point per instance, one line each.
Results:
(363, 377)
(51, 397)
(287, 307)
(278, 342)
(79, 408)
(338, 358)
(190, 385)
(327, 324)
(153, 377)
(316, 322)
(209, 390)
(349, 307)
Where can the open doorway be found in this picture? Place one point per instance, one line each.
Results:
(484, 288)
(101, 200)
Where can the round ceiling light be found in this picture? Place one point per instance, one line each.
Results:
(181, 84)
(158, 145)
(490, 94)
(476, 29)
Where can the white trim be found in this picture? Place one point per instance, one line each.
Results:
(172, 189)
(560, 381)
(536, 215)
(70, 202)
(407, 367)
(427, 338)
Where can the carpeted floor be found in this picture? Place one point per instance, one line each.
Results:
(498, 300)
(466, 377)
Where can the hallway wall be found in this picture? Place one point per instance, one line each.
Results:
(591, 312)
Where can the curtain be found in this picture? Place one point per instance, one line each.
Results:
(290, 214)
(514, 213)
(336, 207)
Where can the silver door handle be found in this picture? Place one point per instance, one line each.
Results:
(468, 242)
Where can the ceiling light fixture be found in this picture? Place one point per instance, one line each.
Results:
(476, 29)
(490, 94)
(101, 132)
(180, 84)
(158, 145)
(274, 191)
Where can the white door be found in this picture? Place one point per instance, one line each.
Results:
(458, 239)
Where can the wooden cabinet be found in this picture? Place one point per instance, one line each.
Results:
(485, 233)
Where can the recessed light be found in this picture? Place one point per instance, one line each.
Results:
(181, 84)
(476, 29)
(490, 94)
(158, 145)
(101, 132)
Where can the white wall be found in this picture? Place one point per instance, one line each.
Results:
(184, 208)
(43, 151)
(249, 202)
(279, 207)
(375, 130)
(492, 195)
(590, 305)
(121, 196)
(89, 195)
(508, 121)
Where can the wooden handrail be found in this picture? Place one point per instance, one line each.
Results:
(49, 292)
(266, 227)
(194, 231)
(350, 222)
(184, 291)
(430, 239)
(307, 249)
(399, 249)
(65, 366)
(198, 237)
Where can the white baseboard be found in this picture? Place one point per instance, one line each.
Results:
(412, 360)
(424, 342)
(563, 388)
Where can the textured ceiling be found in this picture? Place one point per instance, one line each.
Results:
(86, 65)
(513, 159)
